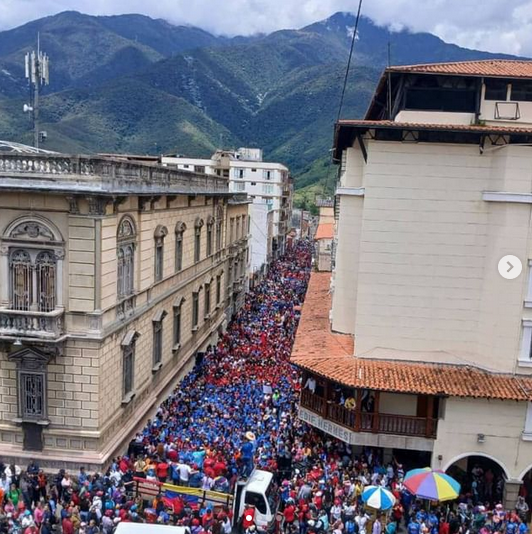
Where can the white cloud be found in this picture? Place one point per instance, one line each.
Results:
(490, 25)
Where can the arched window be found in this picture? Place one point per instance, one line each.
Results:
(126, 239)
(180, 228)
(160, 233)
(35, 247)
(45, 275)
(21, 280)
(197, 239)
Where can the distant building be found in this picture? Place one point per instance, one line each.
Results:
(114, 275)
(265, 183)
(417, 328)
(324, 237)
(261, 237)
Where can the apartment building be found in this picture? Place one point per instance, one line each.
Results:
(265, 183)
(114, 275)
(431, 344)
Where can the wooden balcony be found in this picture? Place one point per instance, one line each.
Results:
(377, 423)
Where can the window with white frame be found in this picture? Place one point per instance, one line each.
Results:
(528, 298)
(126, 239)
(239, 173)
(267, 174)
(525, 353)
(528, 421)
(240, 186)
(267, 189)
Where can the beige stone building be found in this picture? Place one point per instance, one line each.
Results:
(428, 341)
(113, 275)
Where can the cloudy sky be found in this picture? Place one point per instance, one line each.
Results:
(494, 25)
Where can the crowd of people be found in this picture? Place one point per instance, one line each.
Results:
(237, 410)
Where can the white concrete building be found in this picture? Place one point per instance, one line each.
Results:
(265, 182)
(435, 188)
(261, 236)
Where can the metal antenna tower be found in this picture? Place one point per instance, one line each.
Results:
(38, 75)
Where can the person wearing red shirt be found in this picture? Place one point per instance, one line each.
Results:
(219, 468)
(289, 515)
(162, 471)
(68, 527)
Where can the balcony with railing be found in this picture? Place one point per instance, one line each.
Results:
(358, 420)
(32, 324)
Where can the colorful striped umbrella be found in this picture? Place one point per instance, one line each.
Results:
(432, 485)
(377, 497)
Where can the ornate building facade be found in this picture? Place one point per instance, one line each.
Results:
(114, 275)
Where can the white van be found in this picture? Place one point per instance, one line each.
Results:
(147, 528)
(258, 491)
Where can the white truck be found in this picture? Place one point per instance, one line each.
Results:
(255, 496)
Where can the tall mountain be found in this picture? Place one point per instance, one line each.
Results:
(135, 84)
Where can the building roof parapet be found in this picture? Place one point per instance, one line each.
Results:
(102, 175)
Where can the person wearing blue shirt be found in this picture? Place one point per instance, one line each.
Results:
(246, 452)
(512, 526)
(414, 527)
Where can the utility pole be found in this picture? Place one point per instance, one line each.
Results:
(38, 75)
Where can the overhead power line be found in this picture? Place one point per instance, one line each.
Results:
(355, 31)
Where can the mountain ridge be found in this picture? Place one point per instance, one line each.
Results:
(135, 84)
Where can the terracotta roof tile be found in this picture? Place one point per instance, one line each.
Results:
(487, 67)
(325, 231)
(314, 337)
(330, 355)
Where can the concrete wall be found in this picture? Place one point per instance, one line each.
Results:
(501, 422)
(417, 254)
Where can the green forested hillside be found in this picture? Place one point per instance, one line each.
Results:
(133, 84)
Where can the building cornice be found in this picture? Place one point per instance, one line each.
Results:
(502, 196)
(351, 191)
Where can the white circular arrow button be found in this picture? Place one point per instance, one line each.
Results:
(510, 267)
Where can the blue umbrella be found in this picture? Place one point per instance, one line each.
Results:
(377, 497)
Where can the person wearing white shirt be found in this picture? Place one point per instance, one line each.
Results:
(311, 384)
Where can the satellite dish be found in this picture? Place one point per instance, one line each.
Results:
(27, 108)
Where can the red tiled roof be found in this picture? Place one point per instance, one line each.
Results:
(314, 337)
(475, 128)
(325, 231)
(329, 355)
(508, 68)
